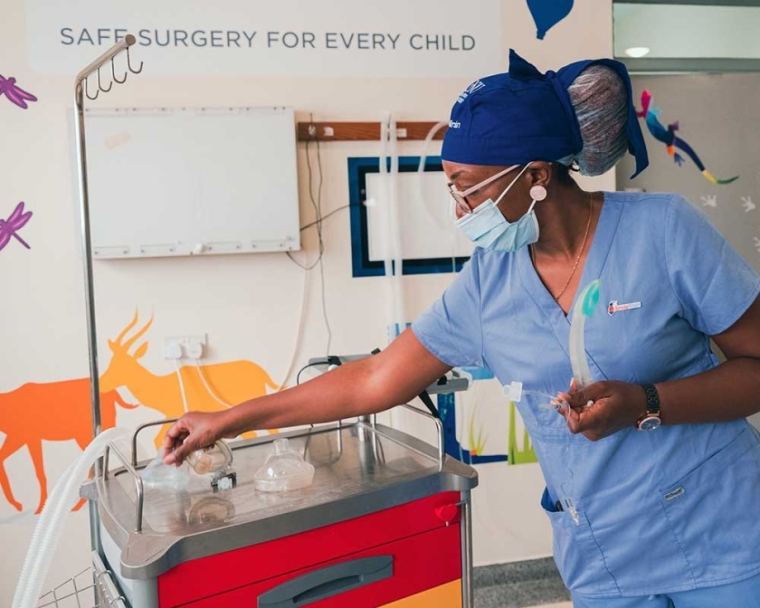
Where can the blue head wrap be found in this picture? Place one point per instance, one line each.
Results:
(524, 115)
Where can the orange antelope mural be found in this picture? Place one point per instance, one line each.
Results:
(61, 411)
(232, 381)
(55, 411)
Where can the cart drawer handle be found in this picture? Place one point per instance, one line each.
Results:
(328, 582)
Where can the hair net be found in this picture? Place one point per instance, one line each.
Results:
(600, 102)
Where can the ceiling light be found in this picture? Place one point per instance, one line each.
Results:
(637, 52)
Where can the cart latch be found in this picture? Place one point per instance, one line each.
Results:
(447, 513)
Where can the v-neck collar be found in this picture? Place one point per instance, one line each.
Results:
(601, 243)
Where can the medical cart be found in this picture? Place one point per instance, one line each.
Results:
(386, 522)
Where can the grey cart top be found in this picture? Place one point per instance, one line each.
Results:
(360, 468)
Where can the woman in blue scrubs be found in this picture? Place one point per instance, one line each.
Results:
(651, 489)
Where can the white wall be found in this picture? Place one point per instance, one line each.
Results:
(248, 304)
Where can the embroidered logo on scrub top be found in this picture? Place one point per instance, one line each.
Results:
(615, 307)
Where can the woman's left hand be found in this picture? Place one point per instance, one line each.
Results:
(603, 408)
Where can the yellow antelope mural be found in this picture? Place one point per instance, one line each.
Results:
(232, 382)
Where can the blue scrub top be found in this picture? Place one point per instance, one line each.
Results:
(657, 512)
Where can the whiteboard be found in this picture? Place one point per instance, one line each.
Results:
(176, 182)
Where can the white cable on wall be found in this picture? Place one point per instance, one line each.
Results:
(181, 386)
(299, 332)
(317, 204)
(208, 387)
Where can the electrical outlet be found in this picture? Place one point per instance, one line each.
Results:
(185, 347)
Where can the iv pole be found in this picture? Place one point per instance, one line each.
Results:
(81, 89)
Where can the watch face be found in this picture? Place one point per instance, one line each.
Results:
(649, 424)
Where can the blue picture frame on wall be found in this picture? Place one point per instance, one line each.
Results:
(362, 266)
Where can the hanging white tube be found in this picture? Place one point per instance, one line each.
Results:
(383, 208)
(397, 293)
(49, 528)
(439, 214)
(388, 216)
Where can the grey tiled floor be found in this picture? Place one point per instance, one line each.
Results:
(519, 585)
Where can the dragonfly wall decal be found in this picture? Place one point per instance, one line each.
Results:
(14, 93)
(10, 227)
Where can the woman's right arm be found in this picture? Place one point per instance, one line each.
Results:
(394, 376)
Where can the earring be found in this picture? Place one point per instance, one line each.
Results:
(538, 193)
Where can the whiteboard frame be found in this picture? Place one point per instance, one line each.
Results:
(361, 263)
(286, 239)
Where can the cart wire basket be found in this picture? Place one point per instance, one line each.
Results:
(93, 587)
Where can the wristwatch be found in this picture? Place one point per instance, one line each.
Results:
(651, 419)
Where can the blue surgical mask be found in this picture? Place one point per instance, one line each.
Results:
(490, 230)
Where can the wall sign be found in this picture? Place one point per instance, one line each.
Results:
(287, 38)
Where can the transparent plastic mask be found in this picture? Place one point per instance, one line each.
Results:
(284, 470)
(210, 459)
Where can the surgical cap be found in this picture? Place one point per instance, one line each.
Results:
(524, 116)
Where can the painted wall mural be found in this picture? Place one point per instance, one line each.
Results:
(14, 93)
(207, 388)
(60, 411)
(516, 452)
(517, 455)
(53, 411)
(711, 201)
(667, 135)
(548, 13)
(9, 227)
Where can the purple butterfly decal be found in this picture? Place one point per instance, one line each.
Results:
(15, 222)
(14, 93)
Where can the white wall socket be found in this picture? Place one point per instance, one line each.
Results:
(187, 347)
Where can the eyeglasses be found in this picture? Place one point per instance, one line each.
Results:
(460, 198)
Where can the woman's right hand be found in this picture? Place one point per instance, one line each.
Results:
(195, 430)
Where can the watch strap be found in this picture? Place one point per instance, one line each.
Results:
(653, 399)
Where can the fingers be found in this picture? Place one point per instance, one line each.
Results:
(586, 422)
(177, 428)
(599, 409)
(176, 433)
(587, 396)
(572, 417)
(575, 400)
(578, 399)
(176, 442)
(170, 445)
(179, 452)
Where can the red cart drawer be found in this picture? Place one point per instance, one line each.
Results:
(366, 579)
(217, 574)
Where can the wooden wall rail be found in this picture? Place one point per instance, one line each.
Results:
(363, 131)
